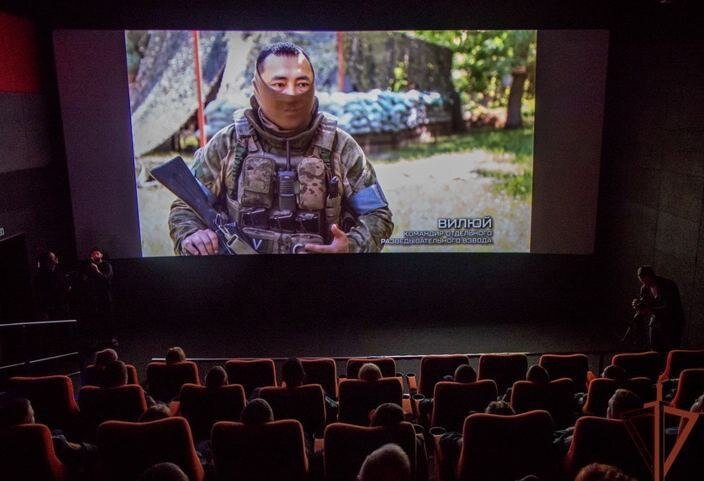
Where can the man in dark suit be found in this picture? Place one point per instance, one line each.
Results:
(659, 303)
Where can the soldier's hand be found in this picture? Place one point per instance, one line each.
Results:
(202, 242)
(339, 244)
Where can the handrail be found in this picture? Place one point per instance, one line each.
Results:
(37, 323)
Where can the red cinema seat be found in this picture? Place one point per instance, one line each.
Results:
(273, 450)
(358, 398)
(123, 403)
(573, 366)
(164, 381)
(323, 371)
(600, 391)
(434, 368)
(251, 373)
(387, 365)
(504, 369)
(52, 399)
(689, 387)
(507, 448)
(453, 402)
(556, 397)
(91, 376)
(680, 359)
(640, 364)
(305, 403)
(605, 441)
(27, 454)
(127, 449)
(346, 446)
(203, 406)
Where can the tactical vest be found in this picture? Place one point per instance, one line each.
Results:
(283, 202)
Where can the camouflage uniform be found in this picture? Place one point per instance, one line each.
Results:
(368, 222)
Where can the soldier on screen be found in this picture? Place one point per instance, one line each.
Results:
(286, 173)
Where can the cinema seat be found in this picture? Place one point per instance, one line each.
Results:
(251, 373)
(506, 448)
(434, 368)
(504, 369)
(557, 397)
(387, 365)
(600, 391)
(203, 406)
(689, 387)
(454, 401)
(644, 387)
(640, 364)
(346, 446)
(52, 399)
(323, 371)
(27, 454)
(164, 381)
(91, 375)
(573, 366)
(127, 449)
(306, 404)
(679, 359)
(273, 450)
(123, 403)
(606, 441)
(358, 398)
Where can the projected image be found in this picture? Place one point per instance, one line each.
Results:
(307, 142)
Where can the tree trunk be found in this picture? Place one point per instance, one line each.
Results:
(514, 119)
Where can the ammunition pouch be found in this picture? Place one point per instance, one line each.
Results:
(271, 242)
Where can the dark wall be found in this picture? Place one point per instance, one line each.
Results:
(652, 188)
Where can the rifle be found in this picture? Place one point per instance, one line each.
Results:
(176, 177)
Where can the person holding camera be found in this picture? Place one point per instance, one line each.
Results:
(660, 308)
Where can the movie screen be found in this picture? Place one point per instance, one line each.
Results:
(304, 142)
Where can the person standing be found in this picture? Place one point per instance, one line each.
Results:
(96, 301)
(52, 288)
(659, 303)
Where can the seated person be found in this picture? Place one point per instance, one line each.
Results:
(388, 463)
(175, 355)
(621, 402)
(465, 374)
(105, 356)
(114, 374)
(163, 472)
(502, 408)
(369, 372)
(292, 373)
(216, 377)
(390, 414)
(698, 405)
(257, 411)
(601, 472)
(617, 373)
(538, 374)
(155, 412)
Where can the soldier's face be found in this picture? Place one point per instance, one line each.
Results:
(287, 74)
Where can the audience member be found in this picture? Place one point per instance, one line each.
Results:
(175, 355)
(155, 412)
(538, 374)
(621, 402)
(601, 472)
(388, 463)
(16, 411)
(698, 405)
(292, 373)
(105, 356)
(617, 373)
(216, 377)
(387, 414)
(257, 411)
(369, 372)
(163, 472)
(465, 374)
(501, 408)
(114, 374)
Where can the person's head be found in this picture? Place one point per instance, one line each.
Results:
(175, 355)
(646, 275)
(388, 463)
(216, 377)
(538, 375)
(387, 414)
(114, 374)
(698, 405)
(292, 372)
(501, 408)
(369, 372)
(16, 411)
(465, 373)
(617, 373)
(257, 411)
(105, 356)
(622, 401)
(284, 85)
(163, 472)
(96, 256)
(155, 412)
(47, 261)
(601, 472)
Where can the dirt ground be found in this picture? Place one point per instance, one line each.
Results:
(418, 191)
